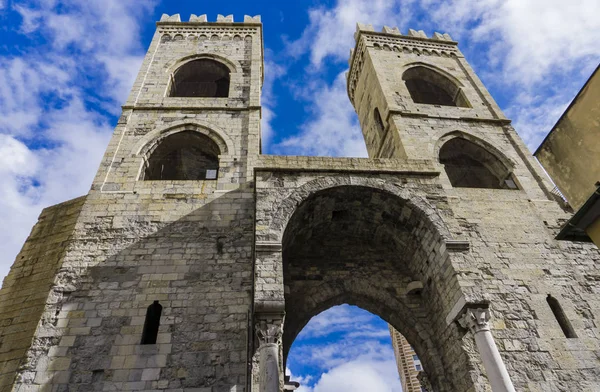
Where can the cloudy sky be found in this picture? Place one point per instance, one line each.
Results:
(66, 66)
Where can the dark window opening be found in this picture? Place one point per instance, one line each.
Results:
(471, 166)
(561, 317)
(151, 324)
(430, 87)
(378, 121)
(202, 78)
(186, 155)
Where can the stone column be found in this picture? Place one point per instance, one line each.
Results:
(477, 321)
(268, 332)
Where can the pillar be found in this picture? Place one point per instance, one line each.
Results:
(269, 331)
(477, 321)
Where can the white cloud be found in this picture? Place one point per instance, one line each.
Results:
(337, 342)
(342, 318)
(333, 129)
(68, 143)
(330, 32)
(532, 37)
(273, 71)
(51, 139)
(360, 376)
(354, 376)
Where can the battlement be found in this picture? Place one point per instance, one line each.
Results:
(176, 18)
(391, 39)
(360, 27)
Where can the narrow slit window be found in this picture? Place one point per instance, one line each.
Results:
(378, 122)
(151, 324)
(561, 317)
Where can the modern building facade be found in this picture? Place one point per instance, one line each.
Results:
(408, 362)
(194, 260)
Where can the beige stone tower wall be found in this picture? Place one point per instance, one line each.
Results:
(26, 289)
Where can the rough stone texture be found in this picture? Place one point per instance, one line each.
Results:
(300, 234)
(26, 288)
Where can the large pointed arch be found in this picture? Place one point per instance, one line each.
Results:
(470, 162)
(222, 76)
(429, 85)
(362, 241)
(211, 145)
(278, 221)
(149, 140)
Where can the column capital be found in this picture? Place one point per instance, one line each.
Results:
(475, 319)
(269, 331)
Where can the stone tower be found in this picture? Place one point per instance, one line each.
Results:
(194, 261)
(169, 218)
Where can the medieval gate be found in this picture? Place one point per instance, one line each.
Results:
(195, 260)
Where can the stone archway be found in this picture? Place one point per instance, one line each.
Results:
(366, 242)
(365, 246)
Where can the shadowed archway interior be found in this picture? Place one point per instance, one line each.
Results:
(363, 246)
(203, 78)
(471, 166)
(431, 87)
(186, 155)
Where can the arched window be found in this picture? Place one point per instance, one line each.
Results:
(185, 155)
(201, 78)
(430, 87)
(471, 166)
(378, 121)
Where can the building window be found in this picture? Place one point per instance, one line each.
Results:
(151, 324)
(561, 317)
(430, 87)
(186, 155)
(203, 78)
(471, 166)
(378, 122)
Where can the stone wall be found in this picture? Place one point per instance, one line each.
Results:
(511, 262)
(31, 278)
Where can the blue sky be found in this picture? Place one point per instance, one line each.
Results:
(66, 66)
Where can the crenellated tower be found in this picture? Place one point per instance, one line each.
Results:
(145, 283)
(405, 88)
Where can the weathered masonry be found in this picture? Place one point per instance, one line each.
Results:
(194, 261)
